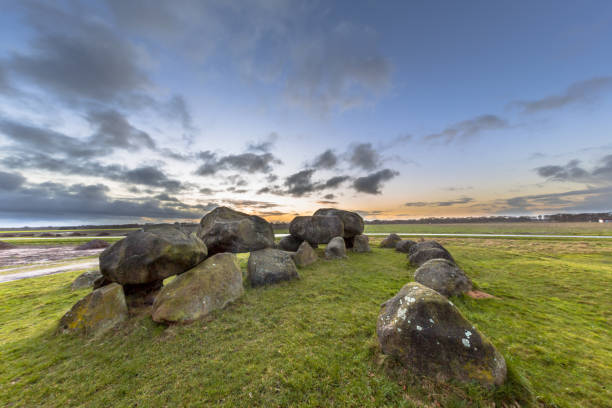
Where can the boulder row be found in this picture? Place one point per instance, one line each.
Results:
(428, 335)
(419, 257)
(404, 246)
(444, 277)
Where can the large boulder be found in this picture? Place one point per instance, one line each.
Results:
(390, 241)
(428, 335)
(269, 266)
(335, 249)
(353, 223)
(93, 244)
(192, 295)
(418, 258)
(361, 243)
(444, 277)
(305, 255)
(429, 244)
(317, 229)
(226, 230)
(97, 312)
(85, 280)
(290, 243)
(404, 245)
(152, 255)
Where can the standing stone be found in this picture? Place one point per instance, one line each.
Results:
(335, 249)
(226, 230)
(390, 241)
(444, 277)
(428, 335)
(305, 255)
(97, 312)
(353, 223)
(85, 280)
(290, 243)
(361, 244)
(153, 255)
(192, 295)
(269, 266)
(420, 257)
(404, 246)
(316, 229)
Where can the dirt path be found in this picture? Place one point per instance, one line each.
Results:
(32, 273)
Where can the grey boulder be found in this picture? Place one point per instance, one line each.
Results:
(85, 280)
(227, 230)
(361, 243)
(317, 229)
(353, 223)
(419, 257)
(269, 266)
(153, 255)
(428, 335)
(305, 255)
(335, 249)
(429, 244)
(290, 243)
(390, 241)
(404, 245)
(444, 277)
(192, 295)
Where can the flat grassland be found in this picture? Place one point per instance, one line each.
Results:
(312, 342)
(538, 228)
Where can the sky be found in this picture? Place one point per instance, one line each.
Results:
(160, 111)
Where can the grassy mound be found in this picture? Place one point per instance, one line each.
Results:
(312, 342)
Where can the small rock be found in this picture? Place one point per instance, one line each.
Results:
(192, 295)
(85, 280)
(97, 312)
(420, 257)
(404, 246)
(428, 335)
(390, 241)
(289, 243)
(269, 266)
(305, 255)
(335, 249)
(361, 244)
(444, 277)
(93, 244)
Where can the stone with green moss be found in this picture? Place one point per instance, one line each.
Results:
(192, 295)
(305, 255)
(390, 241)
(444, 277)
(97, 312)
(269, 266)
(427, 334)
(152, 255)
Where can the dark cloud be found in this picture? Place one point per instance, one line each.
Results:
(335, 182)
(466, 129)
(450, 203)
(264, 145)
(372, 184)
(364, 156)
(236, 180)
(326, 160)
(91, 202)
(247, 162)
(177, 108)
(11, 181)
(207, 191)
(572, 171)
(579, 92)
(114, 130)
(300, 183)
(329, 196)
(395, 142)
(584, 200)
(166, 197)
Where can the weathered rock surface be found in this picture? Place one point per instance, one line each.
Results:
(192, 295)
(93, 244)
(6, 245)
(290, 243)
(152, 255)
(335, 249)
(353, 223)
(97, 312)
(419, 257)
(269, 266)
(226, 230)
(390, 241)
(424, 245)
(316, 229)
(140, 297)
(444, 277)
(85, 280)
(428, 334)
(404, 245)
(305, 255)
(361, 243)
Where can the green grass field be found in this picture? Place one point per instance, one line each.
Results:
(312, 342)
